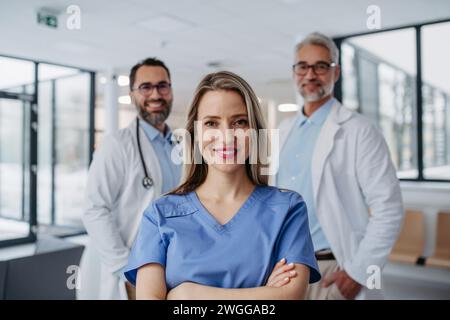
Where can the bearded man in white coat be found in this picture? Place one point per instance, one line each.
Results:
(340, 163)
(131, 168)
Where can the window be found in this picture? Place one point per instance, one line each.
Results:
(13, 167)
(17, 215)
(381, 74)
(45, 147)
(436, 100)
(64, 106)
(16, 75)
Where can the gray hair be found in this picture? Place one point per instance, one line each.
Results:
(322, 40)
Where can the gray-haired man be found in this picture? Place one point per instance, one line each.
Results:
(339, 162)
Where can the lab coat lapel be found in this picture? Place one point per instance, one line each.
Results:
(153, 169)
(325, 143)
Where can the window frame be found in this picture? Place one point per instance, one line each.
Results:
(33, 100)
(29, 100)
(418, 83)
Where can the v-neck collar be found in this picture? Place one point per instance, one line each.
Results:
(209, 218)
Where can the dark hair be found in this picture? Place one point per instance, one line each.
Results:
(146, 62)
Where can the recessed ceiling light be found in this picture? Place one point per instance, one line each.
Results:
(288, 107)
(124, 100)
(123, 81)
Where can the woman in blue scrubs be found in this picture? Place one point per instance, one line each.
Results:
(220, 234)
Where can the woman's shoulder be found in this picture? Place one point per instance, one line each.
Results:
(283, 202)
(279, 195)
(170, 205)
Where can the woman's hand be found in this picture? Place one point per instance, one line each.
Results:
(277, 287)
(281, 274)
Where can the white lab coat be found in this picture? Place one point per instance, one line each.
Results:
(351, 172)
(116, 200)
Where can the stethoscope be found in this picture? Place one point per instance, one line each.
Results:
(147, 181)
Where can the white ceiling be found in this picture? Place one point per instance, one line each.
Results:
(254, 38)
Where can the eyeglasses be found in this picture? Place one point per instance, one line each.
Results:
(146, 88)
(319, 68)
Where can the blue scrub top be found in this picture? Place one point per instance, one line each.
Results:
(180, 234)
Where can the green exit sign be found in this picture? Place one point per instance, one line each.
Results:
(48, 19)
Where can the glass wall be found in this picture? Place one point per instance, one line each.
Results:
(436, 100)
(64, 108)
(16, 75)
(13, 167)
(43, 179)
(71, 147)
(15, 107)
(12, 158)
(379, 79)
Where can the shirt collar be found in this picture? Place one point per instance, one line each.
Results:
(154, 133)
(319, 116)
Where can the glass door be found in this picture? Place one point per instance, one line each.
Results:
(17, 169)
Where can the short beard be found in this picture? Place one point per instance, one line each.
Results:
(324, 91)
(155, 118)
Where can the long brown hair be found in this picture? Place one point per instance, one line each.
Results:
(194, 174)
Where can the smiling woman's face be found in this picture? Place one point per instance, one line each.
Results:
(222, 121)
